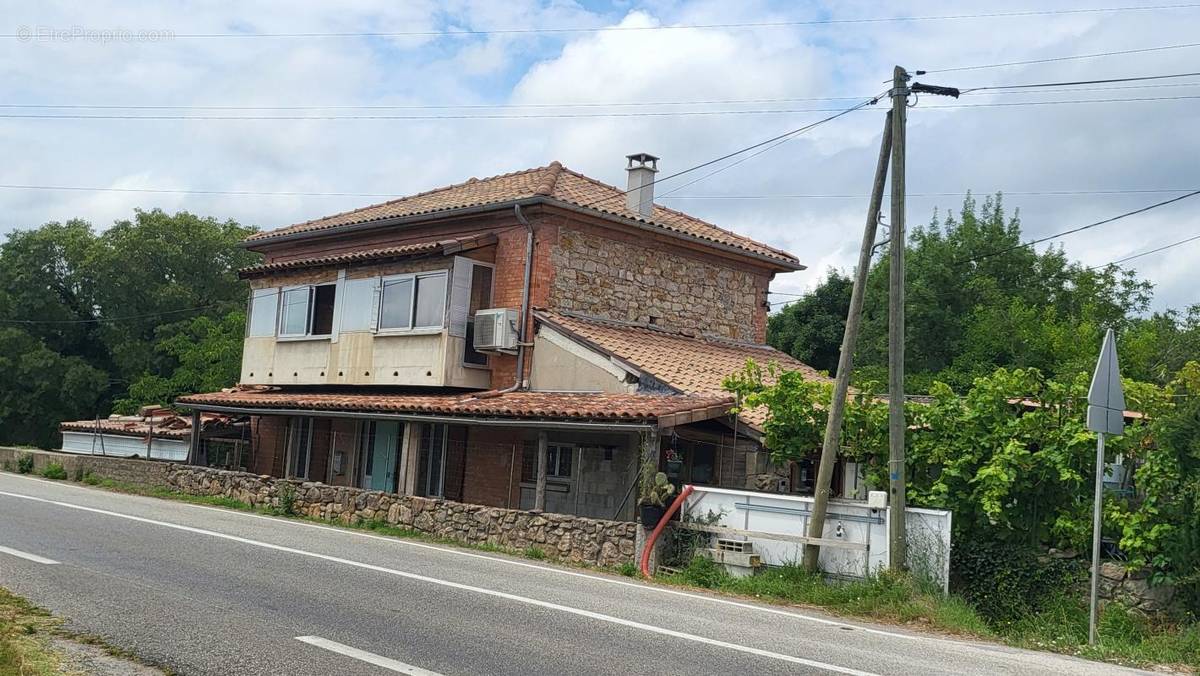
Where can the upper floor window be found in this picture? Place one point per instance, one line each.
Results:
(481, 298)
(307, 310)
(413, 302)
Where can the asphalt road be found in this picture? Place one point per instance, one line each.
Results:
(209, 591)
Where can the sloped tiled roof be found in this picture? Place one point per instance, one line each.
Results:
(553, 182)
(446, 246)
(163, 425)
(522, 405)
(689, 364)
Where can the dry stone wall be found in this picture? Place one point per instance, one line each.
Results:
(124, 470)
(577, 539)
(612, 279)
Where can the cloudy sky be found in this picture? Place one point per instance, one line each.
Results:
(514, 77)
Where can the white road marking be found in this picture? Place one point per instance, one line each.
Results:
(460, 586)
(369, 658)
(548, 569)
(27, 556)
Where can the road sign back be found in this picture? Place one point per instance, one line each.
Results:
(1106, 396)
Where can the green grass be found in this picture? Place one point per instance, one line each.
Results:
(55, 471)
(1126, 637)
(25, 633)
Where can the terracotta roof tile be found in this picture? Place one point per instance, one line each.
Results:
(552, 181)
(166, 426)
(363, 255)
(689, 364)
(518, 405)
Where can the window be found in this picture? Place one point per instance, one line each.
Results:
(299, 447)
(307, 311)
(264, 304)
(481, 298)
(559, 458)
(413, 302)
(432, 460)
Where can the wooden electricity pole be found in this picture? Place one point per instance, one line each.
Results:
(837, 408)
(897, 476)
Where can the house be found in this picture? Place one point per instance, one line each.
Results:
(158, 433)
(523, 340)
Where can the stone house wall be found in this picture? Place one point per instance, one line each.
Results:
(1132, 589)
(616, 276)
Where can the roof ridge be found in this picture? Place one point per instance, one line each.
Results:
(268, 234)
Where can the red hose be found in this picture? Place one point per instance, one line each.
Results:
(662, 523)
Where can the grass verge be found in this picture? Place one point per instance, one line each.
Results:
(1126, 637)
(25, 633)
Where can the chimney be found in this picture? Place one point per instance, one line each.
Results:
(639, 198)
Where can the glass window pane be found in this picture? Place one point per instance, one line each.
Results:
(396, 305)
(263, 305)
(431, 301)
(294, 319)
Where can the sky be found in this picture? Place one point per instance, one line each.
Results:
(517, 69)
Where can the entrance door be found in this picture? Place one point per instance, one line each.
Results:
(382, 451)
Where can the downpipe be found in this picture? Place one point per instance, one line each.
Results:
(662, 524)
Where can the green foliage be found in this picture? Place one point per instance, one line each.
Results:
(54, 470)
(286, 495)
(535, 553)
(112, 304)
(810, 329)
(1006, 583)
(629, 569)
(971, 310)
(656, 490)
(209, 354)
(25, 463)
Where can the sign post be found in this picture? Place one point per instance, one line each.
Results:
(1105, 415)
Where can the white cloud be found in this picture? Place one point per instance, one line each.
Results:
(1101, 146)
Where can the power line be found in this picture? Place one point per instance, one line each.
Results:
(27, 34)
(593, 104)
(1079, 229)
(1147, 253)
(771, 143)
(1005, 193)
(541, 116)
(1073, 57)
(102, 320)
(1082, 82)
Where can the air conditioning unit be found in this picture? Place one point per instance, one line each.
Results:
(496, 330)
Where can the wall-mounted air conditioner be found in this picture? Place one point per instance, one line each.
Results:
(496, 330)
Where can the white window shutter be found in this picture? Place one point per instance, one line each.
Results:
(375, 301)
(460, 296)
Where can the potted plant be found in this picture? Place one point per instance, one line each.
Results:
(656, 489)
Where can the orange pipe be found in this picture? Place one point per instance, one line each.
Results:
(662, 524)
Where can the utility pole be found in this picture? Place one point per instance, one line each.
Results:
(837, 408)
(897, 476)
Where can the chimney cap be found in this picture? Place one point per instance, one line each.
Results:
(642, 160)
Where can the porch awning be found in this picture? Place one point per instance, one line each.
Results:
(532, 409)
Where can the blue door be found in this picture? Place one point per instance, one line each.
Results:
(382, 458)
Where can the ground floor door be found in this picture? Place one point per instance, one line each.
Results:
(381, 451)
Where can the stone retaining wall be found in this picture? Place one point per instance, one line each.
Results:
(1132, 588)
(577, 539)
(124, 470)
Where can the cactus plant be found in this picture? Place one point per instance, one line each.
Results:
(657, 490)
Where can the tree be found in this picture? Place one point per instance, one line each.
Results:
(976, 300)
(811, 328)
(86, 314)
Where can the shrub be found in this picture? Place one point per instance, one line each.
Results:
(25, 463)
(704, 572)
(287, 500)
(1005, 582)
(534, 553)
(54, 471)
